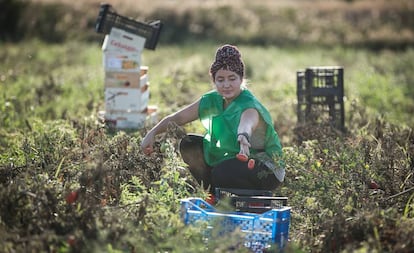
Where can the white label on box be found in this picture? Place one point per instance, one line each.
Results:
(122, 61)
(121, 40)
(113, 63)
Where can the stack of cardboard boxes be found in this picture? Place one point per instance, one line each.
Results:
(126, 81)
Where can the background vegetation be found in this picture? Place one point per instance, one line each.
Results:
(349, 192)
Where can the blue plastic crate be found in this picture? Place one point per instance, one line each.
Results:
(260, 231)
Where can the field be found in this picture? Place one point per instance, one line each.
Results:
(70, 184)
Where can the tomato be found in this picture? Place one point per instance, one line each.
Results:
(373, 185)
(71, 197)
(71, 240)
(242, 157)
(148, 150)
(251, 164)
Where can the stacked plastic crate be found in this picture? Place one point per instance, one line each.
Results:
(126, 80)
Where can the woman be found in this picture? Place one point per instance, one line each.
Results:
(237, 125)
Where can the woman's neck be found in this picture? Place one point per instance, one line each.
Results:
(227, 102)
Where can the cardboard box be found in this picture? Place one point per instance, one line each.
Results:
(115, 61)
(126, 79)
(144, 70)
(145, 96)
(127, 91)
(152, 112)
(145, 93)
(122, 41)
(144, 81)
(125, 119)
(117, 79)
(123, 99)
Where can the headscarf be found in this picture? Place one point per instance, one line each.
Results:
(228, 57)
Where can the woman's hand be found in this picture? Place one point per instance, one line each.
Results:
(147, 144)
(183, 116)
(244, 145)
(244, 153)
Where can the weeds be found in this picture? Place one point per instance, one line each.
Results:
(337, 205)
(69, 184)
(129, 201)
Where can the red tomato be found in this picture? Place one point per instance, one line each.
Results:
(250, 164)
(211, 199)
(72, 197)
(148, 150)
(242, 157)
(373, 185)
(71, 240)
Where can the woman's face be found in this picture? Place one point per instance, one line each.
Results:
(228, 83)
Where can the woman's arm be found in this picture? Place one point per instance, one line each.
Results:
(181, 117)
(249, 120)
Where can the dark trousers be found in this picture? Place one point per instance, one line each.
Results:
(230, 173)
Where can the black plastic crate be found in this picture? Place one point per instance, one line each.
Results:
(258, 204)
(253, 201)
(228, 192)
(108, 18)
(320, 92)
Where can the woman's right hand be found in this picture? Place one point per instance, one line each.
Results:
(147, 144)
(183, 116)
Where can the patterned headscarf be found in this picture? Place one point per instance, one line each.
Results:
(228, 57)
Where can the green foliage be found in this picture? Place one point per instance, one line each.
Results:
(341, 187)
(43, 82)
(386, 24)
(52, 144)
(388, 94)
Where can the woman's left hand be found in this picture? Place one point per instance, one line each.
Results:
(248, 122)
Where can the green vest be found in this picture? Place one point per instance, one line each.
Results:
(220, 141)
